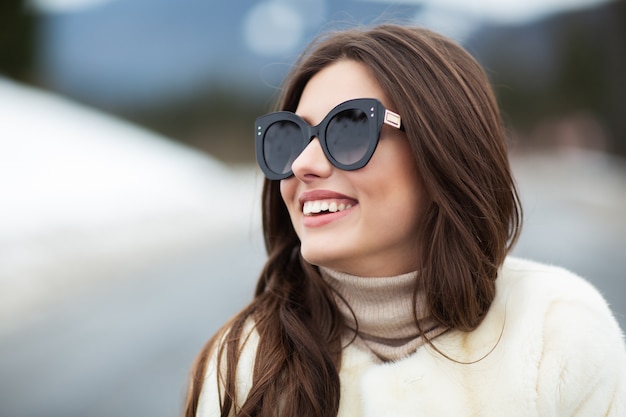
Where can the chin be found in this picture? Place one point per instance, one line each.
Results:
(320, 258)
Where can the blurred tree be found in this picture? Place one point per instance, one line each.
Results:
(218, 120)
(592, 73)
(568, 64)
(617, 73)
(17, 40)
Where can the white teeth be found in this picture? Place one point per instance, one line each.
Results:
(315, 207)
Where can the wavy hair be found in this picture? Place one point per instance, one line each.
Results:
(472, 220)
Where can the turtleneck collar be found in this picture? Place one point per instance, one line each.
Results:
(380, 311)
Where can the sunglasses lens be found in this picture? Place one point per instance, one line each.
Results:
(347, 136)
(281, 146)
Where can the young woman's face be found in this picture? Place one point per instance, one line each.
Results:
(377, 234)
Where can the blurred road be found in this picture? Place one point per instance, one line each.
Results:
(124, 348)
(574, 217)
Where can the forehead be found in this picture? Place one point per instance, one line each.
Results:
(340, 81)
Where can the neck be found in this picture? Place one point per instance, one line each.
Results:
(385, 314)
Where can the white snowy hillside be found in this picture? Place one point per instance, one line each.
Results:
(83, 194)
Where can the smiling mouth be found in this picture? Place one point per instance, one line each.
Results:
(317, 207)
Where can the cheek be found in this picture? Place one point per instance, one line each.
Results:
(395, 186)
(288, 192)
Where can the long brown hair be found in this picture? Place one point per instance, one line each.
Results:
(453, 125)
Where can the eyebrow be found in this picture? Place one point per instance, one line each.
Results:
(305, 118)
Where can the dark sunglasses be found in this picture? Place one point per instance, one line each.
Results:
(348, 135)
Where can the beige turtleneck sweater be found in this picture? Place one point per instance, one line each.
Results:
(380, 311)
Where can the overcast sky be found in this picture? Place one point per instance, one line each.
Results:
(500, 10)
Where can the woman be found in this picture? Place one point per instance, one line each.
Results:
(388, 211)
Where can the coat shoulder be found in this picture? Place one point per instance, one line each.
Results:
(521, 280)
(533, 295)
(574, 332)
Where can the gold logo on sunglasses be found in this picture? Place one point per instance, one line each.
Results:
(392, 119)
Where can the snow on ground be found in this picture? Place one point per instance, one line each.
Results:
(84, 196)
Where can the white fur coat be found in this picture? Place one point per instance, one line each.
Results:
(549, 347)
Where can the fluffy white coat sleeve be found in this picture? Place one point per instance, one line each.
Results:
(582, 369)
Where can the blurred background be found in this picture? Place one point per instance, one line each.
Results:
(129, 219)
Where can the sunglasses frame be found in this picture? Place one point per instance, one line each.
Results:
(378, 115)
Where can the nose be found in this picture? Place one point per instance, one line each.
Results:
(312, 163)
